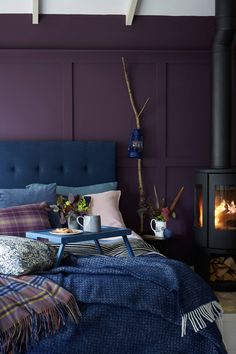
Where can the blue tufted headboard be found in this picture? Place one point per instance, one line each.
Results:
(67, 163)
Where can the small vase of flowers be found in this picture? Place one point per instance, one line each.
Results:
(160, 213)
(70, 208)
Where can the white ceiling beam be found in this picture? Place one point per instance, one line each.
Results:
(176, 8)
(83, 7)
(130, 12)
(35, 12)
(111, 7)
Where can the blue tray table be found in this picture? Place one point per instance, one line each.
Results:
(63, 239)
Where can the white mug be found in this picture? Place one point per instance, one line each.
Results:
(158, 227)
(91, 223)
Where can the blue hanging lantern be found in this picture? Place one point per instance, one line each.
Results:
(135, 147)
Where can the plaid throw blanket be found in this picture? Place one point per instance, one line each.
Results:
(32, 307)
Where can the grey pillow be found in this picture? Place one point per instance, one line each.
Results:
(20, 255)
(90, 189)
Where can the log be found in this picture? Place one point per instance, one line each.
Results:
(229, 261)
(211, 268)
(228, 276)
(221, 271)
(213, 277)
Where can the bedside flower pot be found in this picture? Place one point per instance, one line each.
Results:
(168, 233)
(158, 227)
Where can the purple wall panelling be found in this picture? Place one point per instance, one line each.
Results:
(73, 93)
(82, 95)
(106, 32)
(188, 108)
(32, 99)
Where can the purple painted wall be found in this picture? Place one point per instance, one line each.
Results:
(106, 32)
(63, 79)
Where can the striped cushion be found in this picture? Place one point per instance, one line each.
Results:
(17, 220)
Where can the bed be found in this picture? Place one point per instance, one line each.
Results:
(135, 305)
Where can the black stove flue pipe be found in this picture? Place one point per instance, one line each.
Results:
(222, 83)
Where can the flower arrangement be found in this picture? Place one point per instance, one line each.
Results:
(73, 204)
(160, 211)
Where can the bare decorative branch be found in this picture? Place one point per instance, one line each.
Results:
(156, 197)
(131, 94)
(176, 199)
(142, 204)
(142, 109)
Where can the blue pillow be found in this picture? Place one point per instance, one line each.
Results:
(11, 197)
(83, 190)
(47, 192)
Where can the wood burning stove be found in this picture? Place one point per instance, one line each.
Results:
(215, 209)
(215, 225)
(215, 188)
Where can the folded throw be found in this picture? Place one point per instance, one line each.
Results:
(31, 307)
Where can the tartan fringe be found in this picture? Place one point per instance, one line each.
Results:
(211, 312)
(36, 326)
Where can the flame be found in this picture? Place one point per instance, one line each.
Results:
(222, 211)
(200, 214)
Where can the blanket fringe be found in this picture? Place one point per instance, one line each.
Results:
(212, 311)
(36, 326)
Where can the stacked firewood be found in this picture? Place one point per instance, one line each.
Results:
(222, 268)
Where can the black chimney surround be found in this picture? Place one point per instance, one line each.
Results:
(222, 85)
(218, 183)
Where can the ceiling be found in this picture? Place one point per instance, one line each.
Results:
(128, 8)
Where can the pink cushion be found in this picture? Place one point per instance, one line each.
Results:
(17, 220)
(106, 205)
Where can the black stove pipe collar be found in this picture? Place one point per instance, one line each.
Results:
(222, 84)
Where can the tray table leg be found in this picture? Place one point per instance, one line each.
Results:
(128, 246)
(59, 255)
(98, 246)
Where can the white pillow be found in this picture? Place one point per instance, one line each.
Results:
(106, 205)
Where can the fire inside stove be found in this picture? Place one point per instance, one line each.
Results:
(225, 208)
(199, 207)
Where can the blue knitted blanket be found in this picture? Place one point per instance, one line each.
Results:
(135, 305)
(165, 287)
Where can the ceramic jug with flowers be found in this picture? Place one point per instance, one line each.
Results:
(161, 213)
